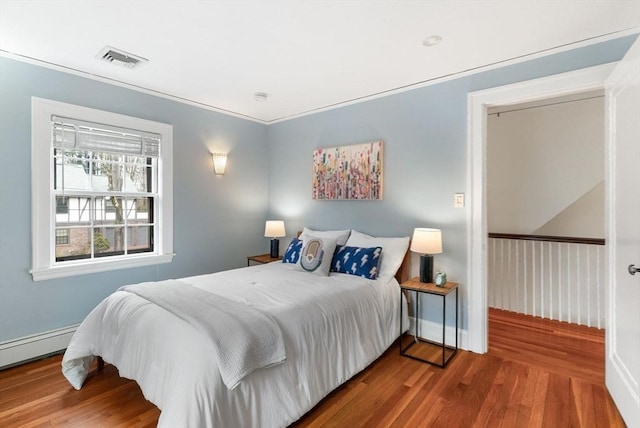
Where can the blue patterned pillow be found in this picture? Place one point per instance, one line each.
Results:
(292, 254)
(357, 261)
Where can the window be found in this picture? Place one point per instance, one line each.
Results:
(62, 205)
(62, 237)
(102, 190)
(109, 207)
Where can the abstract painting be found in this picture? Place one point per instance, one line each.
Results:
(348, 172)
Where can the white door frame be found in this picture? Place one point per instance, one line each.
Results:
(477, 104)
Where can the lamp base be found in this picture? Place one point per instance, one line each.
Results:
(275, 248)
(426, 268)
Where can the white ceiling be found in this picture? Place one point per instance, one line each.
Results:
(306, 55)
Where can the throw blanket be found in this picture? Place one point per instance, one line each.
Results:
(244, 338)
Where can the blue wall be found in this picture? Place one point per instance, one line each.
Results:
(218, 220)
(425, 158)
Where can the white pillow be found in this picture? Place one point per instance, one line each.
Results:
(340, 236)
(393, 251)
(316, 254)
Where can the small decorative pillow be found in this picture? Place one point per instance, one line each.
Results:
(357, 261)
(394, 251)
(316, 254)
(292, 254)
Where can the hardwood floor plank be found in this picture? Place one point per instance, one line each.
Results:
(489, 393)
(558, 347)
(584, 402)
(334, 403)
(537, 373)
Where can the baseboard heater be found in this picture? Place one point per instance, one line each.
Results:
(27, 348)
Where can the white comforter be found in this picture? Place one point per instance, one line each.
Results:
(333, 327)
(243, 338)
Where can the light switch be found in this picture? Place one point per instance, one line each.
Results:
(458, 201)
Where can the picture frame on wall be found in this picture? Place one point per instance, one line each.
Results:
(352, 172)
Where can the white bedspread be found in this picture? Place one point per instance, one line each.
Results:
(244, 338)
(333, 327)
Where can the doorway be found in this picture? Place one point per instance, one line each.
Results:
(545, 247)
(563, 84)
(545, 208)
(623, 106)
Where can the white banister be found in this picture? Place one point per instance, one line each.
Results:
(556, 280)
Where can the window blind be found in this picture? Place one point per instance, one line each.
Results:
(73, 134)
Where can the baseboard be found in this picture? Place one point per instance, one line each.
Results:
(433, 331)
(623, 390)
(30, 347)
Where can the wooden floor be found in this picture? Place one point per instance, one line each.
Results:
(537, 373)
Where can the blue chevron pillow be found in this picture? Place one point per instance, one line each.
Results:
(357, 261)
(292, 254)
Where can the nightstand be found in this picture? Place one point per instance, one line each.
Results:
(262, 259)
(438, 354)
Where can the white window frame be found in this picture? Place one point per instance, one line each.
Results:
(44, 266)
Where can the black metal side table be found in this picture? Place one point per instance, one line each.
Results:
(419, 347)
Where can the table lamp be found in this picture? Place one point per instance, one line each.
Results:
(426, 242)
(274, 229)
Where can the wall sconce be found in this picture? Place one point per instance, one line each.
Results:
(219, 163)
(426, 242)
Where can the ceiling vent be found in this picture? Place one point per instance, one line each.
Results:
(120, 57)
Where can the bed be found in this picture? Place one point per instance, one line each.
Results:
(331, 328)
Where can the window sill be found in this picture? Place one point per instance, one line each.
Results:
(83, 268)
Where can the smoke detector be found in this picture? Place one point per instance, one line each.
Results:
(260, 96)
(120, 57)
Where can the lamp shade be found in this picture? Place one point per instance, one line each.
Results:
(219, 163)
(426, 241)
(274, 229)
